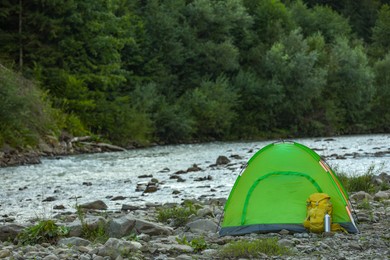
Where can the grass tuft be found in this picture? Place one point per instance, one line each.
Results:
(198, 243)
(253, 249)
(354, 183)
(95, 234)
(46, 231)
(178, 215)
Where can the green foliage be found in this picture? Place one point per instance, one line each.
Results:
(292, 66)
(354, 183)
(173, 123)
(350, 84)
(321, 19)
(46, 231)
(381, 110)
(253, 249)
(198, 243)
(178, 215)
(271, 19)
(381, 35)
(96, 234)
(26, 115)
(212, 107)
(365, 204)
(177, 71)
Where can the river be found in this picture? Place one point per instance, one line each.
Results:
(32, 191)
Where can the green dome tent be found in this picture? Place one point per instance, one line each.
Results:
(270, 193)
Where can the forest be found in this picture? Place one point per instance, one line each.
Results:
(172, 71)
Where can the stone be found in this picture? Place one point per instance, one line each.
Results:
(221, 160)
(145, 176)
(202, 225)
(205, 178)
(50, 257)
(94, 205)
(115, 247)
(49, 199)
(75, 241)
(118, 198)
(59, 207)
(173, 248)
(10, 231)
(126, 207)
(121, 227)
(152, 187)
(209, 253)
(361, 195)
(5, 253)
(382, 195)
(152, 229)
(85, 257)
(154, 180)
(141, 186)
(184, 257)
(284, 232)
(194, 168)
(236, 156)
(205, 211)
(92, 222)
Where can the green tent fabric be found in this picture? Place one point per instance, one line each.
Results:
(271, 193)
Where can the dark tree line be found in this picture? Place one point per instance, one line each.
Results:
(184, 70)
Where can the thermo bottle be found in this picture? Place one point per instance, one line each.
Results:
(327, 222)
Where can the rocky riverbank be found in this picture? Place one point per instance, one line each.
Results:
(149, 232)
(68, 145)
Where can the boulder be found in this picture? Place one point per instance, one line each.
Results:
(114, 248)
(202, 225)
(221, 160)
(205, 178)
(94, 205)
(75, 241)
(382, 195)
(126, 207)
(361, 195)
(172, 248)
(92, 222)
(125, 225)
(194, 168)
(4, 253)
(10, 231)
(121, 227)
(152, 187)
(149, 228)
(205, 211)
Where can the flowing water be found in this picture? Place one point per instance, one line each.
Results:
(32, 191)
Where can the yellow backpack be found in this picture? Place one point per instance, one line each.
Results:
(317, 205)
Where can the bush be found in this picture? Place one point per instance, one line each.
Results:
(197, 243)
(96, 234)
(353, 183)
(46, 231)
(178, 215)
(253, 249)
(26, 114)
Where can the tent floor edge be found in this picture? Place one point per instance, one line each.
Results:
(275, 228)
(261, 228)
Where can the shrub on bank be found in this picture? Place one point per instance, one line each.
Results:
(364, 182)
(46, 231)
(178, 215)
(253, 249)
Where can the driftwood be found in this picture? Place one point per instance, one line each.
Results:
(80, 139)
(105, 146)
